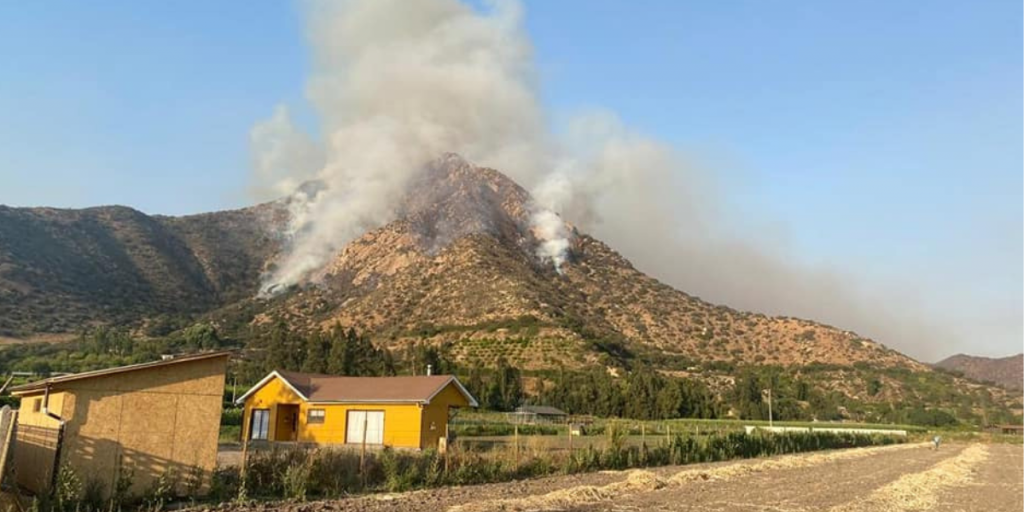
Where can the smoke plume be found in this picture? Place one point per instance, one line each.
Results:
(397, 83)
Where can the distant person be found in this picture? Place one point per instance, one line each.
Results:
(936, 441)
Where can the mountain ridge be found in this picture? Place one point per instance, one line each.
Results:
(1007, 372)
(458, 267)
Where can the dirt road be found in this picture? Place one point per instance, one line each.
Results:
(894, 478)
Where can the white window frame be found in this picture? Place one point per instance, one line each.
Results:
(259, 424)
(316, 416)
(356, 419)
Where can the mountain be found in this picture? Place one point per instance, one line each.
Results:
(62, 270)
(459, 263)
(458, 267)
(1007, 372)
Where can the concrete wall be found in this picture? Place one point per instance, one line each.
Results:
(143, 422)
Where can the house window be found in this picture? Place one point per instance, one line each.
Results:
(314, 416)
(365, 427)
(37, 405)
(260, 424)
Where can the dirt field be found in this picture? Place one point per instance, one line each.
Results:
(893, 478)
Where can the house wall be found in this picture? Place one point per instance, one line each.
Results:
(268, 397)
(409, 425)
(401, 421)
(435, 415)
(146, 421)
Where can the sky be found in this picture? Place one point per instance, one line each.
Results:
(878, 138)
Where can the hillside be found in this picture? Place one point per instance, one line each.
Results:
(1007, 372)
(62, 270)
(459, 264)
(457, 268)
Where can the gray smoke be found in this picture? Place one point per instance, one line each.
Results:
(397, 83)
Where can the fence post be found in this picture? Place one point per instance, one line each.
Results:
(643, 433)
(362, 450)
(517, 444)
(246, 426)
(570, 440)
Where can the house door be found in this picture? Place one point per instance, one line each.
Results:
(287, 422)
(365, 423)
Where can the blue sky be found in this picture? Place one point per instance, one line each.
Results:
(880, 136)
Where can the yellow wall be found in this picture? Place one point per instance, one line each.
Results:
(146, 421)
(267, 397)
(405, 425)
(435, 415)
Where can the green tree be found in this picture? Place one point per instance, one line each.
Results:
(317, 348)
(505, 391)
(201, 336)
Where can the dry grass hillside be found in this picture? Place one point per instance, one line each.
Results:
(63, 270)
(1007, 372)
(458, 265)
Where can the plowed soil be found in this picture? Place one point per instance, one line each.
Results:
(896, 478)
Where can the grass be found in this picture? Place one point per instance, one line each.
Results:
(230, 434)
(325, 473)
(490, 423)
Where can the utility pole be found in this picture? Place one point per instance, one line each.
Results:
(769, 407)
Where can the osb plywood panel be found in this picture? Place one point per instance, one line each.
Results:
(120, 421)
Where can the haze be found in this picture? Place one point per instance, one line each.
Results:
(855, 164)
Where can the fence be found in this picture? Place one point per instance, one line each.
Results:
(8, 426)
(36, 453)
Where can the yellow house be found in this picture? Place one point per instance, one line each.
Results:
(141, 420)
(405, 412)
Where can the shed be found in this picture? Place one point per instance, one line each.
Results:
(1010, 429)
(141, 420)
(405, 412)
(530, 414)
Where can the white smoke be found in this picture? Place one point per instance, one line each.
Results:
(283, 157)
(554, 237)
(396, 83)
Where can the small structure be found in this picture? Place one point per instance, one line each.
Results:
(404, 412)
(534, 414)
(142, 420)
(1008, 429)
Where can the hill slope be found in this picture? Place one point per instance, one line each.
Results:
(62, 270)
(459, 263)
(458, 266)
(1007, 372)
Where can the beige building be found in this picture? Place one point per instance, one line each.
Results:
(140, 420)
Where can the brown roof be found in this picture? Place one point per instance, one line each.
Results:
(39, 385)
(333, 388)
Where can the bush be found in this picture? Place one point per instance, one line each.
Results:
(324, 473)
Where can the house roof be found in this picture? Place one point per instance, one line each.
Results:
(313, 387)
(40, 385)
(542, 410)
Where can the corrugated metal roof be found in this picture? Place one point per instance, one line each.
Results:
(543, 410)
(55, 381)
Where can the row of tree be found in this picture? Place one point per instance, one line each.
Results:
(336, 351)
(643, 394)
